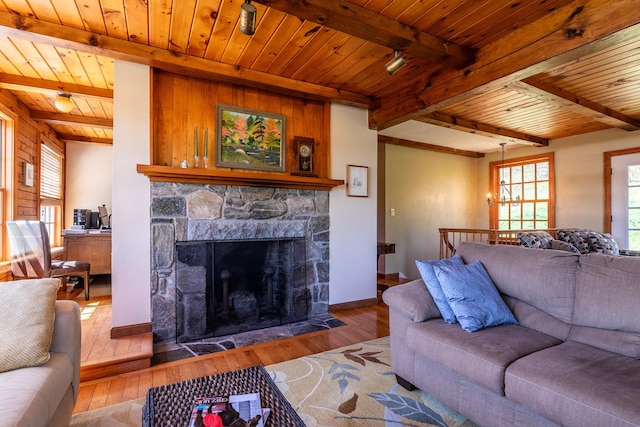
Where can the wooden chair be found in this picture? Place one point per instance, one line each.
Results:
(31, 255)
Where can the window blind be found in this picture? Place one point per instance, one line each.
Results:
(50, 174)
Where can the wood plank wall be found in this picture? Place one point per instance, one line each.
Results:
(180, 103)
(28, 135)
(27, 149)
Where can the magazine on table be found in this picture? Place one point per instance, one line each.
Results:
(222, 411)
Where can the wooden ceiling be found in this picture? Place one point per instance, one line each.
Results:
(524, 71)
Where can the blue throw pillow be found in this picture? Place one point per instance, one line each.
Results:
(473, 297)
(430, 279)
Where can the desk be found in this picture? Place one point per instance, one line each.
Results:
(94, 248)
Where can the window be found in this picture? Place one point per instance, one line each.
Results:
(530, 178)
(6, 178)
(51, 193)
(2, 186)
(633, 206)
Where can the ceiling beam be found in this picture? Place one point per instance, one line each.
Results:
(476, 128)
(68, 119)
(561, 36)
(382, 139)
(349, 18)
(25, 28)
(67, 137)
(559, 97)
(30, 84)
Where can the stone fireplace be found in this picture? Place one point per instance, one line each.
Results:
(281, 276)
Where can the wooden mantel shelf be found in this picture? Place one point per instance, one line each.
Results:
(226, 177)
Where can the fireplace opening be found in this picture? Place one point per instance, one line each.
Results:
(228, 287)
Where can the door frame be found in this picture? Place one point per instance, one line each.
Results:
(606, 226)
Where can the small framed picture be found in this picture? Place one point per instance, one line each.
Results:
(357, 181)
(27, 174)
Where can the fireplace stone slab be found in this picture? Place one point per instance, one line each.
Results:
(195, 212)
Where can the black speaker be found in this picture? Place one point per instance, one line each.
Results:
(95, 220)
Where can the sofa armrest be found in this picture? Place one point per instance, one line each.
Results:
(67, 337)
(413, 300)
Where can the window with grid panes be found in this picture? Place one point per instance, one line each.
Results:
(532, 179)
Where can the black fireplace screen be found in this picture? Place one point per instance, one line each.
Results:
(228, 287)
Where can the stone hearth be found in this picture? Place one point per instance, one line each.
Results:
(193, 213)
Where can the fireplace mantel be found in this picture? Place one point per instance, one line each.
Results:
(227, 177)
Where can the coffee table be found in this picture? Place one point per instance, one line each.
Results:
(171, 404)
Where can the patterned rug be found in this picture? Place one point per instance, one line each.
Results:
(349, 386)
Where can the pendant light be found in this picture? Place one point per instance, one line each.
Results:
(63, 102)
(505, 193)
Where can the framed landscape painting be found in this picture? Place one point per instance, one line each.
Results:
(249, 139)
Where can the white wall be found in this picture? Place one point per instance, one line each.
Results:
(131, 259)
(427, 190)
(88, 178)
(353, 219)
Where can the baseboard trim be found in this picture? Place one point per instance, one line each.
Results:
(353, 304)
(127, 331)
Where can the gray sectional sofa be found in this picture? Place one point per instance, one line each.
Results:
(45, 395)
(573, 359)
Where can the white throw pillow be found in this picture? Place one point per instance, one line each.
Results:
(27, 313)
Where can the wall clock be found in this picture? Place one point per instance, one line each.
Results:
(304, 155)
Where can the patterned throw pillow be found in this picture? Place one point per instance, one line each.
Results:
(603, 243)
(578, 238)
(535, 239)
(27, 313)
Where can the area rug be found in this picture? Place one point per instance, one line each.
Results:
(349, 386)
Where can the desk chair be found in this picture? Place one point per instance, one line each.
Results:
(31, 255)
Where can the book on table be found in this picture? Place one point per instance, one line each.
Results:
(221, 411)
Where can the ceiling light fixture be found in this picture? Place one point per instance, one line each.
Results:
(505, 193)
(395, 64)
(63, 102)
(248, 13)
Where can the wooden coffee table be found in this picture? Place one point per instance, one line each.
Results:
(171, 404)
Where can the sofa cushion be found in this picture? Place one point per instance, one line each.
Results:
(31, 395)
(575, 384)
(543, 279)
(433, 284)
(482, 356)
(26, 322)
(535, 239)
(473, 297)
(607, 299)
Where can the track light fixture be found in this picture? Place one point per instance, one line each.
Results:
(63, 102)
(248, 13)
(396, 63)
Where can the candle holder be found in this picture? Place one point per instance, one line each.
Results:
(196, 161)
(205, 163)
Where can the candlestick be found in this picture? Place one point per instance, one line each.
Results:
(206, 148)
(196, 141)
(206, 142)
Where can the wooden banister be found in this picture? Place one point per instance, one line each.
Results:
(450, 238)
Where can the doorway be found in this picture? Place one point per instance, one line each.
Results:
(616, 202)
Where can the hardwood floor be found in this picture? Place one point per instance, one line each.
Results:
(361, 324)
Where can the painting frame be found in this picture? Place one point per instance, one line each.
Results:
(357, 181)
(266, 152)
(27, 174)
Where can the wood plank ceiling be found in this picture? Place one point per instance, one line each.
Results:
(525, 71)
